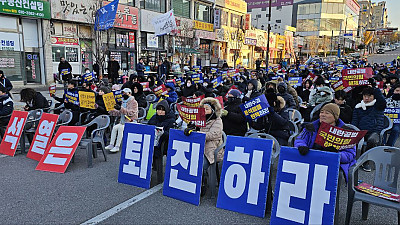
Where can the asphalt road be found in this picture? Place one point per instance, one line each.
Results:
(383, 58)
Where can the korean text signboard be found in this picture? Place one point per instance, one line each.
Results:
(13, 133)
(74, 10)
(87, 99)
(393, 114)
(137, 155)
(160, 90)
(305, 189)
(197, 78)
(356, 77)
(87, 77)
(337, 137)
(192, 102)
(118, 95)
(251, 4)
(109, 101)
(72, 97)
(378, 192)
(295, 81)
(192, 114)
(245, 175)
(217, 81)
(184, 168)
(59, 154)
(255, 108)
(31, 8)
(127, 17)
(43, 135)
(338, 85)
(146, 86)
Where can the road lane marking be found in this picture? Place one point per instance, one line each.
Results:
(118, 208)
(3, 156)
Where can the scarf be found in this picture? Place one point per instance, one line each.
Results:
(364, 105)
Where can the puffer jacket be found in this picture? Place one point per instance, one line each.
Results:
(307, 138)
(317, 97)
(167, 121)
(372, 117)
(235, 121)
(131, 109)
(254, 92)
(290, 102)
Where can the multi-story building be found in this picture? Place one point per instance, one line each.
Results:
(379, 15)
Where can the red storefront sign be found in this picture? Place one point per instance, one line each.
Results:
(64, 41)
(127, 17)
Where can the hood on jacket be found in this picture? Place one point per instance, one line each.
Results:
(139, 87)
(215, 103)
(165, 104)
(254, 83)
(282, 84)
(170, 85)
(325, 89)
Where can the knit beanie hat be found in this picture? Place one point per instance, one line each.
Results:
(235, 93)
(332, 109)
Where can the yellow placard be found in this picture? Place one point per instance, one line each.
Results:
(87, 99)
(109, 101)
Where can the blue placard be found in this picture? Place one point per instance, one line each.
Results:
(334, 79)
(105, 16)
(217, 81)
(118, 95)
(65, 72)
(393, 114)
(184, 167)
(341, 67)
(196, 68)
(389, 64)
(302, 67)
(72, 97)
(245, 175)
(87, 77)
(305, 188)
(197, 78)
(295, 81)
(255, 108)
(214, 70)
(137, 155)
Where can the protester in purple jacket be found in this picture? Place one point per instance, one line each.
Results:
(329, 114)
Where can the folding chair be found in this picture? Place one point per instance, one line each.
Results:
(31, 124)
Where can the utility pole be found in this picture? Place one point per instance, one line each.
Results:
(269, 34)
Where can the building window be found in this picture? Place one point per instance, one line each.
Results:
(181, 8)
(263, 9)
(58, 52)
(153, 5)
(202, 12)
(224, 18)
(236, 21)
(278, 21)
(69, 53)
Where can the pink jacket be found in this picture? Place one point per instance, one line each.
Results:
(131, 109)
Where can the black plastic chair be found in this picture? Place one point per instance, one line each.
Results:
(387, 163)
(30, 127)
(63, 119)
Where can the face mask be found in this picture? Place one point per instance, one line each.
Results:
(231, 99)
(125, 97)
(188, 84)
(396, 97)
(322, 93)
(318, 88)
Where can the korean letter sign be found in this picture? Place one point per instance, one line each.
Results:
(192, 102)
(192, 114)
(13, 133)
(137, 155)
(184, 167)
(245, 175)
(356, 77)
(305, 189)
(255, 108)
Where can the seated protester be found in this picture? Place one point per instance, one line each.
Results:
(152, 84)
(5, 82)
(68, 105)
(394, 102)
(304, 90)
(172, 95)
(233, 118)
(346, 112)
(251, 91)
(197, 94)
(100, 106)
(128, 112)
(86, 86)
(188, 89)
(318, 84)
(164, 118)
(305, 141)
(276, 123)
(137, 90)
(369, 115)
(34, 100)
(283, 92)
(6, 108)
(241, 84)
(321, 95)
(132, 79)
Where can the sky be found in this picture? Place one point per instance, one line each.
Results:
(393, 7)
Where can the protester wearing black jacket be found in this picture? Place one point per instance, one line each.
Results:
(68, 105)
(34, 100)
(6, 106)
(233, 118)
(137, 90)
(64, 64)
(251, 91)
(189, 88)
(346, 112)
(113, 69)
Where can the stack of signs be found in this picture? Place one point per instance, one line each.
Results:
(160, 90)
(118, 95)
(217, 81)
(109, 101)
(337, 137)
(87, 99)
(255, 108)
(192, 102)
(393, 114)
(197, 78)
(72, 97)
(146, 86)
(192, 114)
(87, 77)
(378, 192)
(295, 81)
(13, 133)
(356, 77)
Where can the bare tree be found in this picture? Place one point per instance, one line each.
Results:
(237, 41)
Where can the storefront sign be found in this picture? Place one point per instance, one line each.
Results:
(237, 5)
(132, 40)
(337, 137)
(220, 35)
(247, 22)
(9, 41)
(152, 41)
(127, 17)
(74, 10)
(32, 8)
(249, 41)
(254, 4)
(205, 35)
(203, 26)
(69, 29)
(7, 63)
(217, 18)
(184, 27)
(64, 41)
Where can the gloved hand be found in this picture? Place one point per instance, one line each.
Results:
(303, 150)
(224, 112)
(188, 131)
(330, 149)
(117, 107)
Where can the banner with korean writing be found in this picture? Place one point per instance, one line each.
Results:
(337, 137)
(117, 95)
(192, 102)
(13, 133)
(72, 97)
(214, 70)
(378, 192)
(179, 81)
(145, 86)
(109, 101)
(184, 168)
(164, 23)
(338, 85)
(105, 16)
(295, 81)
(356, 77)
(87, 77)
(255, 108)
(32, 8)
(192, 114)
(160, 90)
(64, 72)
(245, 175)
(393, 114)
(216, 82)
(305, 187)
(196, 68)
(197, 78)
(302, 67)
(137, 155)
(341, 67)
(87, 99)
(311, 77)
(43, 135)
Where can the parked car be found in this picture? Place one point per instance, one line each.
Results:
(387, 49)
(393, 47)
(380, 51)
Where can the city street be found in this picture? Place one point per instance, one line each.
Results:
(383, 58)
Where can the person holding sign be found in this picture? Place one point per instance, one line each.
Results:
(171, 96)
(64, 70)
(69, 105)
(128, 112)
(306, 140)
(140, 97)
(232, 116)
(251, 91)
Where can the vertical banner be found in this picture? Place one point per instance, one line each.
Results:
(305, 188)
(43, 135)
(87, 99)
(109, 101)
(137, 155)
(13, 133)
(245, 175)
(184, 168)
(255, 108)
(59, 154)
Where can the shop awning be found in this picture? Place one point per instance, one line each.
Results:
(186, 50)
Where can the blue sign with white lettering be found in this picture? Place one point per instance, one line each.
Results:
(245, 175)
(87, 77)
(255, 108)
(217, 81)
(105, 16)
(184, 167)
(197, 78)
(305, 188)
(137, 155)
(295, 81)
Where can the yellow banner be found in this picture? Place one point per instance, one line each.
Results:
(109, 101)
(87, 99)
(203, 26)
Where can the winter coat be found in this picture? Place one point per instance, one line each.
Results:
(72, 107)
(188, 91)
(317, 97)
(131, 109)
(213, 131)
(6, 106)
(290, 102)
(307, 138)
(254, 92)
(38, 102)
(303, 93)
(172, 95)
(372, 117)
(139, 96)
(167, 121)
(346, 113)
(113, 68)
(101, 107)
(161, 70)
(7, 84)
(64, 65)
(140, 69)
(235, 121)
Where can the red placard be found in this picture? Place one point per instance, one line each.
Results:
(378, 192)
(356, 77)
(160, 90)
(338, 85)
(145, 86)
(311, 77)
(58, 155)
(13, 133)
(192, 102)
(337, 137)
(52, 89)
(192, 114)
(43, 135)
